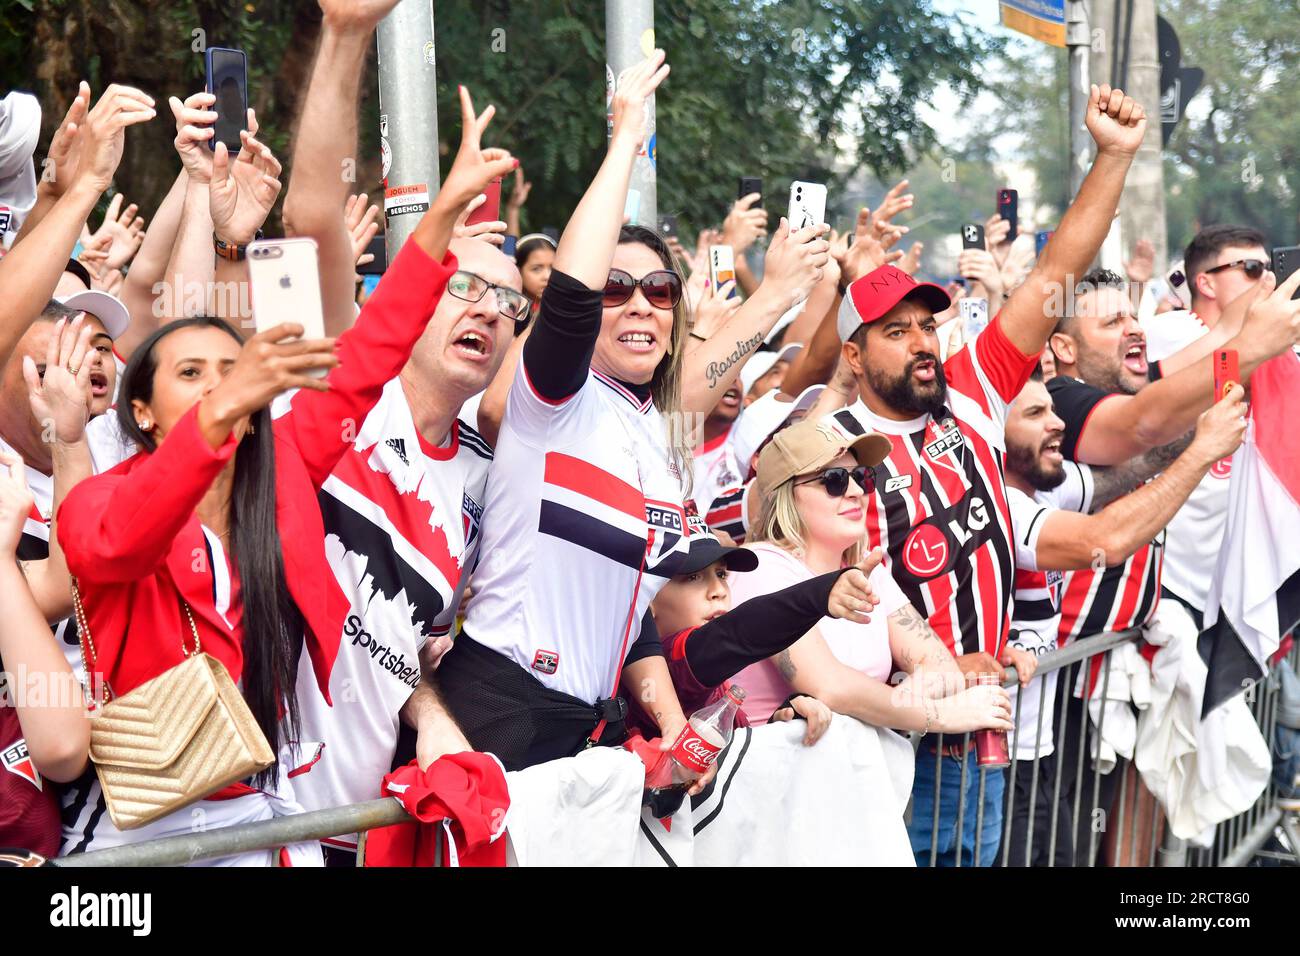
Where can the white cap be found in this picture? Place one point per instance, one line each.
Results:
(760, 363)
(764, 416)
(109, 309)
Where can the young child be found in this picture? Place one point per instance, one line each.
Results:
(706, 642)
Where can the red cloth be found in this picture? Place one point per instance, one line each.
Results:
(468, 789)
(133, 541)
(29, 807)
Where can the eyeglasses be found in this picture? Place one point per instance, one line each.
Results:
(469, 287)
(662, 288)
(836, 480)
(1254, 268)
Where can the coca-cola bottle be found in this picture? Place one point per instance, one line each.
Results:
(704, 736)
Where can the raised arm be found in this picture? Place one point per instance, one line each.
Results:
(144, 280)
(586, 247)
(31, 270)
(1071, 541)
(1122, 426)
(60, 167)
(792, 267)
(325, 149)
(57, 730)
(1117, 125)
(323, 423)
(60, 401)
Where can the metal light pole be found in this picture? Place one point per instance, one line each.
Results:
(408, 118)
(1077, 41)
(629, 39)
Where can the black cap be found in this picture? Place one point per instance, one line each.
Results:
(706, 549)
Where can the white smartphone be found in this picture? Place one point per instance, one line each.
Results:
(284, 278)
(807, 205)
(722, 267)
(974, 317)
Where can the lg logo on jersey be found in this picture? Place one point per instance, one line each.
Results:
(928, 550)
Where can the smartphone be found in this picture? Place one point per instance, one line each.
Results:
(1226, 372)
(228, 81)
(379, 264)
(1008, 209)
(748, 185)
(284, 281)
(1041, 239)
(490, 211)
(1286, 260)
(972, 236)
(807, 205)
(667, 226)
(509, 245)
(974, 317)
(722, 267)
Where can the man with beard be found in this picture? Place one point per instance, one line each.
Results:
(1050, 498)
(941, 512)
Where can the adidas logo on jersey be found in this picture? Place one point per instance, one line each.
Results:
(398, 445)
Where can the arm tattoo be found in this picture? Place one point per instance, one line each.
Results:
(715, 370)
(1118, 480)
(785, 665)
(915, 627)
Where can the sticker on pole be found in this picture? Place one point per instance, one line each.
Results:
(609, 100)
(400, 200)
(385, 157)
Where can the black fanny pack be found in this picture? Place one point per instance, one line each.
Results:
(504, 710)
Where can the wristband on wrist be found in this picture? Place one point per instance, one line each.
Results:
(234, 251)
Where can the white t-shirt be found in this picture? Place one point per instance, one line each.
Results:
(584, 522)
(401, 533)
(863, 647)
(1193, 536)
(1036, 618)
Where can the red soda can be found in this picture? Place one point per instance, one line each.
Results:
(991, 745)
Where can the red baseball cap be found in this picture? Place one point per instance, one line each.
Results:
(872, 295)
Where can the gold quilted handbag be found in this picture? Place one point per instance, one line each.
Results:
(175, 739)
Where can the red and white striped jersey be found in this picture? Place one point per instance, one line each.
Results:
(719, 484)
(401, 534)
(584, 521)
(1037, 616)
(1112, 599)
(940, 507)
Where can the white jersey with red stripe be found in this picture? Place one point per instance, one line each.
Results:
(940, 507)
(401, 533)
(584, 522)
(719, 484)
(1037, 615)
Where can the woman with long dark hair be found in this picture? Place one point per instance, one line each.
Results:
(212, 532)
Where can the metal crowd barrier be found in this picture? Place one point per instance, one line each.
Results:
(1093, 818)
(1112, 822)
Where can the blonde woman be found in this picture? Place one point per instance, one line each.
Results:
(815, 481)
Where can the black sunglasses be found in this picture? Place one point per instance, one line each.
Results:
(1254, 268)
(469, 287)
(662, 288)
(836, 480)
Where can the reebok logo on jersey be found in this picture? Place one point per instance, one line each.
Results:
(546, 662)
(395, 664)
(898, 483)
(17, 761)
(398, 445)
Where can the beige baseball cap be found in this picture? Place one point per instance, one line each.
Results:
(813, 444)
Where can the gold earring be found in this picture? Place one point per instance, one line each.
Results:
(146, 426)
(252, 429)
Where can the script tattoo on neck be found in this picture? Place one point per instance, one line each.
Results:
(716, 370)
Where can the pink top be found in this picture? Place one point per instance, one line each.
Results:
(864, 647)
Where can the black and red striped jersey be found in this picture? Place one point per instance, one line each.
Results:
(940, 508)
(719, 484)
(1102, 599)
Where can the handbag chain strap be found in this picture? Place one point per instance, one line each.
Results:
(83, 630)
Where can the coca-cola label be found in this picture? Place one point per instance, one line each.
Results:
(693, 751)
